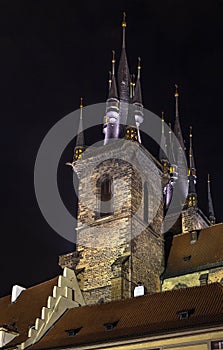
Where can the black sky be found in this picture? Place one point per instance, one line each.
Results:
(53, 52)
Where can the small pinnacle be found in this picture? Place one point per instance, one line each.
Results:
(176, 91)
(133, 79)
(170, 130)
(113, 62)
(124, 20)
(191, 131)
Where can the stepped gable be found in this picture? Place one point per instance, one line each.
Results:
(21, 315)
(147, 315)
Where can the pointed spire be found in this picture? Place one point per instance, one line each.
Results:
(80, 143)
(211, 215)
(138, 92)
(163, 145)
(123, 30)
(177, 127)
(123, 69)
(191, 154)
(113, 87)
(109, 80)
(132, 86)
(80, 136)
(192, 195)
(171, 155)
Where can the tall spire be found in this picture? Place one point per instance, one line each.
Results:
(138, 92)
(137, 102)
(211, 215)
(113, 87)
(191, 154)
(177, 127)
(80, 135)
(80, 142)
(123, 69)
(171, 155)
(163, 146)
(123, 30)
(192, 195)
(111, 119)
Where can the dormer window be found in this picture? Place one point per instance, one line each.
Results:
(187, 258)
(110, 325)
(72, 332)
(203, 279)
(185, 314)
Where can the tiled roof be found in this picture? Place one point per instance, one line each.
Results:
(21, 314)
(146, 315)
(206, 252)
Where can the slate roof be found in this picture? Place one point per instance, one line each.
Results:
(185, 257)
(21, 314)
(142, 316)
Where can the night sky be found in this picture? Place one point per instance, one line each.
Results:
(54, 52)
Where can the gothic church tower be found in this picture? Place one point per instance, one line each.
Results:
(120, 210)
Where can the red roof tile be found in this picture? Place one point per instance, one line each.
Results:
(141, 316)
(22, 314)
(185, 257)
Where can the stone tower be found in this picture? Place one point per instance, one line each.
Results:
(119, 240)
(120, 210)
(125, 193)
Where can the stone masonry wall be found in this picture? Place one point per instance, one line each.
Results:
(117, 251)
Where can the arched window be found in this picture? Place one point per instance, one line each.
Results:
(104, 197)
(146, 204)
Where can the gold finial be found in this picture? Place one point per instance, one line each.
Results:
(133, 80)
(176, 91)
(170, 128)
(124, 21)
(110, 79)
(139, 66)
(113, 56)
(113, 62)
(191, 135)
(162, 118)
(81, 102)
(131, 86)
(209, 180)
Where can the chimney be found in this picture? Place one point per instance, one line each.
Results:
(16, 291)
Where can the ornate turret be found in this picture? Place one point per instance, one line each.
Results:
(80, 143)
(192, 195)
(123, 78)
(111, 120)
(211, 215)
